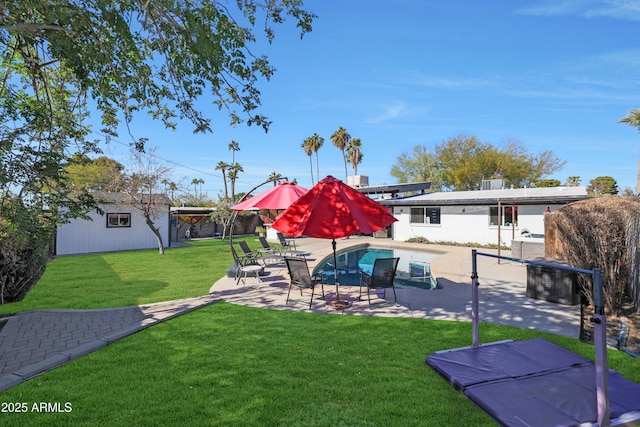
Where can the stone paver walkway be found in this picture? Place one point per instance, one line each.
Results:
(37, 341)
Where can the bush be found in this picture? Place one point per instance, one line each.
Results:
(25, 242)
(599, 233)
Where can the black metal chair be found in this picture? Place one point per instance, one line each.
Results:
(248, 253)
(300, 277)
(267, 248)
(245, 266)
(287, 244)
(382, 277)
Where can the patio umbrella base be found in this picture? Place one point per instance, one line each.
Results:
(339, 304)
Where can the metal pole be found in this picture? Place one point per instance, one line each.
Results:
(499, 227)
(234, 215)
(474, 300)
(600, 342)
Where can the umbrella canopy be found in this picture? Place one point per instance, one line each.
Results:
(331, 210)
(278, 197)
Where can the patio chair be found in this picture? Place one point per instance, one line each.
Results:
(287, 244)
(267, 248)
(382, 277)
(248, 253)
(300, 277)
(269, 253)
(245, 267)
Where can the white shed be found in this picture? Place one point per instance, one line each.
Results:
(483, 216)
(120, 228)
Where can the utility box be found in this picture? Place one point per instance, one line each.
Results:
(552, 284)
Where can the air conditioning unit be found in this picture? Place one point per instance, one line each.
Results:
(493, 184)
(356, 181)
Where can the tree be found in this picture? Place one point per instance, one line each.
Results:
(308, 150)
(460, 161)
(84, 173)
(233, 147)
(547, 183)
(354, 154)
(60, 59)
(419, 166)
(195, 182)
(234, 169)
(464, 162)
(275, 177)
(316, 142)
(172, 188)
(602, 186)
(632, 118)
(142, 187)
(573, 181)
(340, 139)
(223, 167)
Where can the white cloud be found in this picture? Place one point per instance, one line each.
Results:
(390, 112)
(419, 79)
(618, 9)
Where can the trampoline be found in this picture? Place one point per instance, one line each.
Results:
(537, 383)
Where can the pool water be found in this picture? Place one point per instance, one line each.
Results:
(413, 267)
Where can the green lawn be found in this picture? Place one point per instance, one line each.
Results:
(227, 365)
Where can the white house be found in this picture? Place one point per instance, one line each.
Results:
(121, 228)
(483, 216)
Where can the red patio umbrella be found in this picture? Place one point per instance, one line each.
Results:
(278, 197)
(331, 210)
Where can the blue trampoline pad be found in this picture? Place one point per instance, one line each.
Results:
(534, 383)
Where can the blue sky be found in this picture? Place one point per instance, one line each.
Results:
(554, 74)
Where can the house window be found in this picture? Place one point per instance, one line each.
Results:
(433, 215)
(417, 216)
(115, 220)
(509, 215)
(425, 216)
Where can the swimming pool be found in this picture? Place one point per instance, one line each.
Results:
(413, 267)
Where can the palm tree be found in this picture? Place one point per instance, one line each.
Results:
(233, 175)
(233, 147)
(633, 118)
(172, 187)
(316, 143)
(195, 182)
(223, 167)
(573, 181)
(308, 150)
(354, 154)
(275, 177)
(340, 139)
(200, 182)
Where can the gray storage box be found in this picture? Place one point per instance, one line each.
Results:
(552, 284)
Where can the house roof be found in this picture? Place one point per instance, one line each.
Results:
(394, 189)
(190, 210)
(122, 198)
(519, 196)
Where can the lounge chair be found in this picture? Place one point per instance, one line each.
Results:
(244, 267)
(248, 253)
(269, 253)
(267, 248)
(300, 277)
(287, 244)
(382, 277)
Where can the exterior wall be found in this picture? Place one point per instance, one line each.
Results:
(468, 224)
(83, 236)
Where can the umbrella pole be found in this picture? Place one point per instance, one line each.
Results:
(335, 269)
